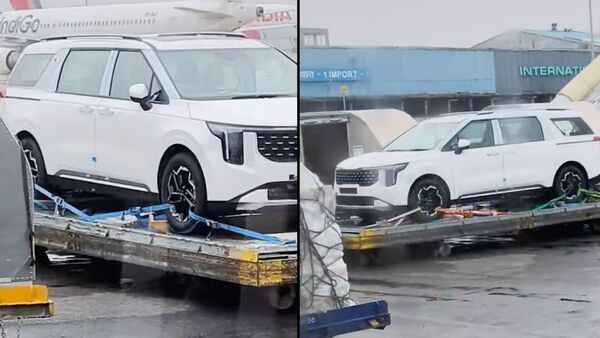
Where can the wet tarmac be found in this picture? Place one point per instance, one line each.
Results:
(541, 285)
(91, 301)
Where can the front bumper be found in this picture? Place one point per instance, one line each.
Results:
(365, 207)
(267, 198)
(242, 184)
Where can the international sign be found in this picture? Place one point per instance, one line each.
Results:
(550, 70)
(336, 74)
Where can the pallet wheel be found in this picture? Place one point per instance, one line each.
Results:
(374, 257)
(284, 298)
(595, 227)
(443, 250)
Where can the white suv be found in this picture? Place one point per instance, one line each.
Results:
(471, 156)
(207, 121)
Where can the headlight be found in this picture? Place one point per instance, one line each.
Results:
(391, 172)
(232, 141)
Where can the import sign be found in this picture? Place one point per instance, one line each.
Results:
(337, 74)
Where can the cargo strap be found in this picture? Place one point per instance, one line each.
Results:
(240, 231)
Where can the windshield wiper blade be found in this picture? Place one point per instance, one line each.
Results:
(260, 96)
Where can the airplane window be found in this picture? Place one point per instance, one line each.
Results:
(136, 21)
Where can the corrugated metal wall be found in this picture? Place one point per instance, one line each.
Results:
(414, 72)
(401, 71)
(516, 71)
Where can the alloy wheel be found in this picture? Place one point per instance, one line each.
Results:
(428, 199)
(35, 171)
(570, 184)
(181, 192)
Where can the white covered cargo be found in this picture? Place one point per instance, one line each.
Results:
(323, 274)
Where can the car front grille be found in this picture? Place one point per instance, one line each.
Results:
(278, 145)
(362, 177)
(362, 201)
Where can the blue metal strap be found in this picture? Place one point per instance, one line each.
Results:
(59, 203)
(239, 231)
(137, 212)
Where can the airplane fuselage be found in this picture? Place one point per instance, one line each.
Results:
(133, 19)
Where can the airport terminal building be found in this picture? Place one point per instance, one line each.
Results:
(513, 67)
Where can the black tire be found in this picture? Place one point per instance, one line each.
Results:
(569, 181)
(34, 158)
(428, 193)
(182, 185)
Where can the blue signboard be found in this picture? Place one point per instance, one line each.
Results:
(336, 74)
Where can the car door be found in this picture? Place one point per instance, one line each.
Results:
(68, 134)
(525, 150)
(478, 169)
(127, 137)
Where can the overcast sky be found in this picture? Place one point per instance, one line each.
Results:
(439, 23)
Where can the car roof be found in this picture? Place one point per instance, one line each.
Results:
(175, 41)
(452, 118)
(505, 111)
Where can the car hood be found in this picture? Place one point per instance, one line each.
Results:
(272, 112)
(383, 158)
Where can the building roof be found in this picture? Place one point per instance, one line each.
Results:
(573, 36)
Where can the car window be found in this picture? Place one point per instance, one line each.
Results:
(521, 130)
(423, 136)
(572, 126)
(223, 74)
(131, 68)
(479, 133)
(83, 71)
(29, 69)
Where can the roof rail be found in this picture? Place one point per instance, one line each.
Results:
(79, 36)
(456, 113)
(527, 106)
(225, 34)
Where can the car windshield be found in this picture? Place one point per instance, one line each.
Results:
(232, 73)
(424, 136)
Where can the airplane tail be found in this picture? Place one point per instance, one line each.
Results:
(25, 4)
(583, 87)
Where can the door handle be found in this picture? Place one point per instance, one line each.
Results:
(106, 112)
(86, 109)
(493, 154)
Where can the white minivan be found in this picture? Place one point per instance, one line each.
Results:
(469, 157)
(202, 121)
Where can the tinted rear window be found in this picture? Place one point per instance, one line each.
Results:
(572, 126)
(29, 69)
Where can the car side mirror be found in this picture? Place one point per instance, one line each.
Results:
(139, 93)
(462, 145)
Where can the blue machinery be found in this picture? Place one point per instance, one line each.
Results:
(350, 319)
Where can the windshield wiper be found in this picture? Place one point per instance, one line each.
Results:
(261, 96)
